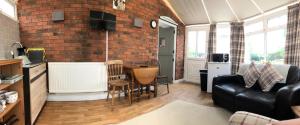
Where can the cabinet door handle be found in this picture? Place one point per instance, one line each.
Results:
(217, 67)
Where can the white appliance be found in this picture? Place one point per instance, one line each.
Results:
(216, 69)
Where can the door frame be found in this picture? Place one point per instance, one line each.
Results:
(187, 60)
(172, 23)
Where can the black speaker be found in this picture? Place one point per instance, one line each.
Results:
(102, 21)
(96, 15)
(110, 25)
(109, 17)
(226, 57)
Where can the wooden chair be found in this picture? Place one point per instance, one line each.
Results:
(146, 77)
(116, 80)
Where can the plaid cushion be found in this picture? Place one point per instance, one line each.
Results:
(251, 75)
(269, 77)
(246, 118)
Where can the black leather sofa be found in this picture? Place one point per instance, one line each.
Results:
(229, 92)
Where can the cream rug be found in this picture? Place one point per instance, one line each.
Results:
(182, 113)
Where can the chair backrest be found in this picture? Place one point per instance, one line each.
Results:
(114, 69)
(157, 63)
(145, 75)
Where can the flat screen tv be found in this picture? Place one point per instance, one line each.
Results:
(102, 21)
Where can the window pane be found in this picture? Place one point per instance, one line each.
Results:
(196, 44)
(223, 39)
(277, 21)
(254, 48)
(7, 8)
(254, 27)
(201, 45)
(275, 46)
(192, 39)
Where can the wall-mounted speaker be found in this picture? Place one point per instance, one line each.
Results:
(58, 15)
(137, 22)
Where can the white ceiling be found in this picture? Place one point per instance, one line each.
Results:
(193, 11)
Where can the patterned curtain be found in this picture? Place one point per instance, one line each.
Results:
(211, 45)
(237, 45)
(292, 46)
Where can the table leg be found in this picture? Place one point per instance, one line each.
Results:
(155, 89)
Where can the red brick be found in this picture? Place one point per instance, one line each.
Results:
(73, 40)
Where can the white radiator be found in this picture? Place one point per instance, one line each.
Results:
(77, 77)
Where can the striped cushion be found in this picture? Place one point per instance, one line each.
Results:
(269, 77)
(251, 75)
(246, 118)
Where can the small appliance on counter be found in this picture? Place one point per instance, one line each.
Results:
(20, 53)
(36, 55)
(220, 57)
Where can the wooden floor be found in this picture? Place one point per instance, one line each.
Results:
(100, 113)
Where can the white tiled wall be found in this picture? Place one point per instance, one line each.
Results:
(9, 33)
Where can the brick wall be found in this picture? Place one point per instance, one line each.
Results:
(9, 33)
(73, 40)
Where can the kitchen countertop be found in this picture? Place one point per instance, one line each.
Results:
(32, 65)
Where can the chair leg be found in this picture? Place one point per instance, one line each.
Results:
(155, 89)
(113, 95)
(119, 94)
(129, 94)
(168, 87)
(148, 91)
(107, 95)
(139, 90)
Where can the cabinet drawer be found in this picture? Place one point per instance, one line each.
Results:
(38, 96)
(35, 71)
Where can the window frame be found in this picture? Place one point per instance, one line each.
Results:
(196, 28)
(265, 28)
(11, 2)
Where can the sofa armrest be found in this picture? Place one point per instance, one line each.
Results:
(285, 98)
(246, 118)
(228, 78)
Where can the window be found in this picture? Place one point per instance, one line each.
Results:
(254, 48)
(196, 42)
(223, 38)
(8, 8)
(254, 27)
(265, 39)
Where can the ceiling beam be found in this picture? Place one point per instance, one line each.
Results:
(271, 11)
(232, 10)
(172, 9)
(206, 12)
(257, 7)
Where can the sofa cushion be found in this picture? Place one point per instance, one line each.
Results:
(229, 88)
(269, 77)
(247, 118)
(293, 75)
(256, 102)
(283, 69)
(251, 75)
(224, 94)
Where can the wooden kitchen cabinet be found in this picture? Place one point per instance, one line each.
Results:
(11, 68)
(35, 91)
